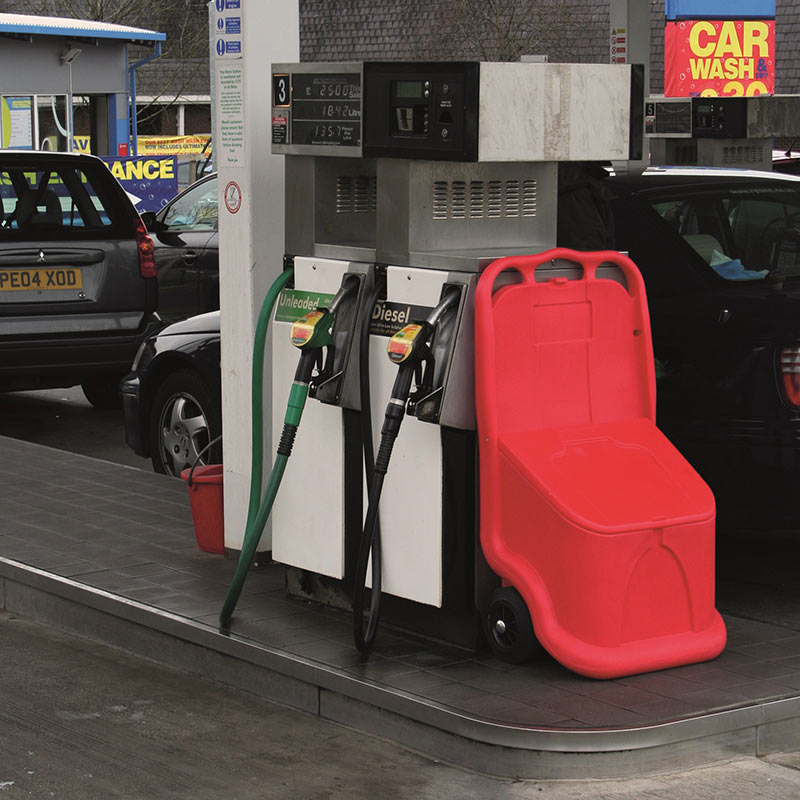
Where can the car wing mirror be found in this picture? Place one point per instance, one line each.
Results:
(151, 222)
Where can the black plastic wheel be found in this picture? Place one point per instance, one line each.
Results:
(184, 418)
(509, 629)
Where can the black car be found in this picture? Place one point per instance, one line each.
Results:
(172, 399)
(186, 238)
(78, 287)
(720, 254)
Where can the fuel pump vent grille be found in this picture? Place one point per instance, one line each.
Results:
(529, 198)
(483, 199)
(476, 200)
(356, 194)
(494, 200)
(458, 199)
(742, 154)
(441, 200)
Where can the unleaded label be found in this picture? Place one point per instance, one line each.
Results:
(295, 303)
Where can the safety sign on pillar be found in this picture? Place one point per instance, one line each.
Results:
(714, 49)
(228, 28)
(619, 45)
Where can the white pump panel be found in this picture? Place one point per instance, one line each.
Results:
(411, 502)
(314, 477)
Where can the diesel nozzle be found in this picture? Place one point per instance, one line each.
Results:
(409, 348)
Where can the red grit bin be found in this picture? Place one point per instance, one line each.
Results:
(587, 510)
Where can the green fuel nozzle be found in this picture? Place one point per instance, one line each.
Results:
(314, 331)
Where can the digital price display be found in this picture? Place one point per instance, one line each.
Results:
(326, 109)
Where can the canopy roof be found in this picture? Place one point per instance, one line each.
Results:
(31, 25)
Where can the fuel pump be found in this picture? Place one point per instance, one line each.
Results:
(410, 348)
(718, 131)
(414, 177)
(311, 334)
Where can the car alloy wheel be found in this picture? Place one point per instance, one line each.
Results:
(184, 420)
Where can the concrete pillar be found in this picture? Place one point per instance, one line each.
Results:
(246, 41)
(629, 43)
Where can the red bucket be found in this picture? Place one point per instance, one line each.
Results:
(205, 496)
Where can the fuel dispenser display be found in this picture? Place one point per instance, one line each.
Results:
(406, 180)
(718, 131)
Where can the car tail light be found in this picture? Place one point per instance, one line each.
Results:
(790, 369)
(147, 262)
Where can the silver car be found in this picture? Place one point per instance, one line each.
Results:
(78, 282)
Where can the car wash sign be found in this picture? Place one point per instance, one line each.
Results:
(719, 48)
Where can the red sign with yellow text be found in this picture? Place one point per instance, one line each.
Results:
(719, 58)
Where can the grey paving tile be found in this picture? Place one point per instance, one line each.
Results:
(69, 569)
(488, 705)
(286, 638)
(711, 699)
(661, 683)
(416, 682)
(381, 670)
(445, 693)
(328, 652)
(772, 670)
(666, 709)
(765, 690)
(530, 717)
(620, 694)
(468, 671)
(770, 650)
(430, 659)
(720, 678)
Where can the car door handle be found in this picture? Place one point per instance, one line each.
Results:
(189, 258)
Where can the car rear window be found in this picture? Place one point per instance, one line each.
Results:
(742, 234)
(62, 201)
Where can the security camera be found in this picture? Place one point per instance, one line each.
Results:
(70, 54)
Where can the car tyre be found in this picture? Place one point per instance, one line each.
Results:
(185, 417)
(103, 392)
(509, 629)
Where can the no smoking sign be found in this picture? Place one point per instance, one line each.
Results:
(233, 197)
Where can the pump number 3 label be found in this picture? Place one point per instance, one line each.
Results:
(233, 197)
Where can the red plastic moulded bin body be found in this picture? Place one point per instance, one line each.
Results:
(586, 508)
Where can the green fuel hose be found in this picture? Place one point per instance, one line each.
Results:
(257, 393)
(259, 509)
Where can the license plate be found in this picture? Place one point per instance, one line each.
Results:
(12, 280)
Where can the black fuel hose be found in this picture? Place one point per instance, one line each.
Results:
(395, 410)
(393, 418)
(359, 589)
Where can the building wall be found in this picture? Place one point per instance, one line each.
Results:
(405, 29)
(355, 30)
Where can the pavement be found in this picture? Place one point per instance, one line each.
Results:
(107, 552)
(83, 721)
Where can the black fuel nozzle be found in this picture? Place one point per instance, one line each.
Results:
(409, 348)
(350, 284)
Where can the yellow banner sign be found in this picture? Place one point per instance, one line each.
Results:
(173, 145)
